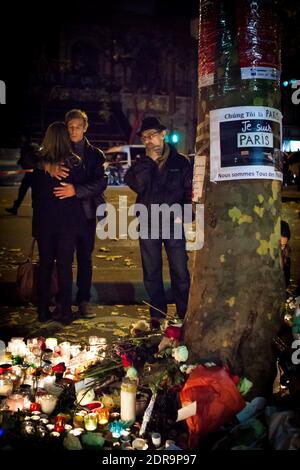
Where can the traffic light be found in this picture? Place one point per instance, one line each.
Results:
(173, 137)
(286, 83)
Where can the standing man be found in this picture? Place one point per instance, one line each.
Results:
(28, 161)
(162, 176)
(91, 196)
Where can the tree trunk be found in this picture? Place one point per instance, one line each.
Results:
(237, 287)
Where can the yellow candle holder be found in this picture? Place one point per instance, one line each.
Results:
(103, 415)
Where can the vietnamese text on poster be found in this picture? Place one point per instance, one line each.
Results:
(245, 143)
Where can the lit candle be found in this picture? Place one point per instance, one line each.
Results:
(6, 387)
(59, 424)
(65, 349)
(48, 403)
(103, 415)
(15, 402)
(139, 444)
(90, 421)
(51, 343)
(156, 439)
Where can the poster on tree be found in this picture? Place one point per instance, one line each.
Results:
(245, 143)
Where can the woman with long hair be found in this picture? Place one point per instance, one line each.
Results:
(56, 222)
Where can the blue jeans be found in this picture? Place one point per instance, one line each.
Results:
(151, 253)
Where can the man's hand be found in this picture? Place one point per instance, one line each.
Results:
(64, 190)
(59, 172)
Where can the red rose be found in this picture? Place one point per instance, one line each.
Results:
(126, 361)
(173, 332)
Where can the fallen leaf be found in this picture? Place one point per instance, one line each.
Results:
(115, 313)
(119, 332)
(104, 248)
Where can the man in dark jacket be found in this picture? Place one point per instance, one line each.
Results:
(90, 195)
(162, 177)
(27, 161)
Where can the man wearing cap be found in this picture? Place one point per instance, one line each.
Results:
(162, 177)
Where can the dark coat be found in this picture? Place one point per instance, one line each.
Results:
(54, 215)
(90, 193)
(171, 184)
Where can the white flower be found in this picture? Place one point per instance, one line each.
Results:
(180, 354)
(187, 369)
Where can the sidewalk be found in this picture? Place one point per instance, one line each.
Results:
(112, 322)
(117, 270)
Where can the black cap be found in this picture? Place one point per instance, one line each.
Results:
(150, 122)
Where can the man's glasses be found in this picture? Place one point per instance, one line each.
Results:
(147, 137)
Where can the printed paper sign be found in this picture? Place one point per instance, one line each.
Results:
(245, 143)
(198, 177)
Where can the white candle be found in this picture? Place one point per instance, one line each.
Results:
(47, 402)
(128, 400)
(51, 343)
(156, 439)
(6, 387)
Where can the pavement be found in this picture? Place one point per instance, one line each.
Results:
(117, 292)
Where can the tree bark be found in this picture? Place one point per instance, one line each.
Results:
(237, 286)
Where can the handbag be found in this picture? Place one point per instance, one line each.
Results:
(27, 273)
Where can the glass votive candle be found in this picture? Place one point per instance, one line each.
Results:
(65, 349)
(59, 425)
(35, 406)
(15, 402)
(75, 349)
(156, 439)
(6, 387)
(103, 415)
(78, 419)
(48, 403)
(139, 444)
(51, 343)
(90, 421)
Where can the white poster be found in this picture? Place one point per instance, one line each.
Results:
(245, 143)
(198, 177)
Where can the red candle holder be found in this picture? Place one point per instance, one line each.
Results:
(35, 407)
(59, 425)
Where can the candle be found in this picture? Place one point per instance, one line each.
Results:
(51, 343)
(128, 399)
(139, 444)
(6, 387)
(15, 402)
(75, 350)
(35, 407)
(90, 421)
(59, 424)
(48, 403)
(65, 350)
(32, 343)
(76, 432)
(78, 419)
(156, 439)
(103, 415)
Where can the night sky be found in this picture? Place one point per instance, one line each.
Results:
(26, 24)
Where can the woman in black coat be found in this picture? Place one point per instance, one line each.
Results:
(56, 222)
